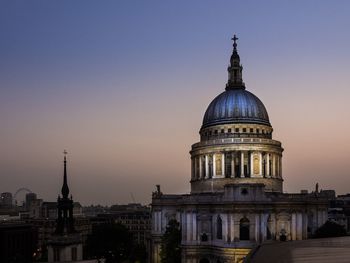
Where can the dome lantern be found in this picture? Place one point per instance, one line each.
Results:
(235, 80)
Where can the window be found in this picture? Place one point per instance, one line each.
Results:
(229, 130)
(251, 130)
(216, 131)
(219, 228)
(244, 129)
(222, 130)
(244, 191)
(237, 130)
(210, 133)
(257, 131)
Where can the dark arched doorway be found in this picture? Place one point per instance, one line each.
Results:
(204, 260)
(244, 229)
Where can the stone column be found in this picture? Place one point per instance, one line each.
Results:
(273, 166)
(214, 165)
(200, 167)
(189, 226)
(232, 228)
(194, 226)
(280, 172)
(305, 223)
(183, 226)
(267, 165)
(260, 164)
(233, 156)
(251, 165)
(299, 218)
(224, 218)
(193, 166)
(206, 166)
(293, 227)
(155, 223)
(242, 164)
(223, 168)
(257, 228)
(263, 224)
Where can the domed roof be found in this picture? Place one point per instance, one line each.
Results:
(235, 106)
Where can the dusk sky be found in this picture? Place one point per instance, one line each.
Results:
(123, 87)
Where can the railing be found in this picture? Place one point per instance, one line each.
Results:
(236, 141)
(237, 135)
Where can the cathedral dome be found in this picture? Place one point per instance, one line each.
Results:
(235, 106)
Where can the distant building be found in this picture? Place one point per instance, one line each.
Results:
(94, 210)
(135, 217)
(30, 197)
(237, 199)
(6, 199)
(17, 242)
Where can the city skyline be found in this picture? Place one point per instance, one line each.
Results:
(124, 87)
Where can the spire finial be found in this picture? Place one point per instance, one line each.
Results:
(65, 189)
(235, 38)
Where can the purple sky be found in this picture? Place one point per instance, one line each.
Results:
(123, 86)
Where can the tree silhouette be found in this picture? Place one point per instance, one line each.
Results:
(330, 229)
(171, 243)
(110, 241)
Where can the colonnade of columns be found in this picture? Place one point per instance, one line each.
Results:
(259, 223)
(192, 229)
(237, 164)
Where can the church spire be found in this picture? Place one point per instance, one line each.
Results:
(65, 220)
(235, 80)
(65, 189)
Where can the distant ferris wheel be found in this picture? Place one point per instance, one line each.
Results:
(20, 191)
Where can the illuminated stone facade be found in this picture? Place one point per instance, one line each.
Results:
(236, 199)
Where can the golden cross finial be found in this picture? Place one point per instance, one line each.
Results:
(65, 152)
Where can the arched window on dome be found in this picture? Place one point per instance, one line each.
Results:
(219, 228)
(244, 229)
